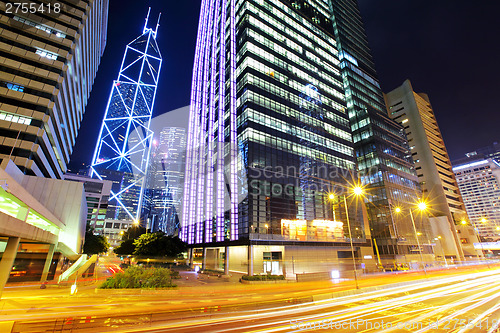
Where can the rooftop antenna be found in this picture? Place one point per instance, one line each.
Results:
(146, 24)
(157, 25)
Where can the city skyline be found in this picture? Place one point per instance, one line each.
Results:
(393, 64)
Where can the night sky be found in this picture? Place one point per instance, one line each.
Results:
(449, 49)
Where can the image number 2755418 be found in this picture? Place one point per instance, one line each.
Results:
(25, 8)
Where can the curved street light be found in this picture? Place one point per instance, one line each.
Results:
(422, 207)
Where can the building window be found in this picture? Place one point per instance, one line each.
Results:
(14, 118)
(46, 54)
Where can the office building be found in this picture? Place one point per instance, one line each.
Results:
(165, 184)
(123, 147)
(97, 193)
(414, 111)
(268, 142)
(479, 184)
(42, 221)
(382, 153)
(47, 68)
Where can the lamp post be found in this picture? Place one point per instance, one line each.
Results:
(358, 191)
(332, 198)
(476, 229)
(442, 250)
(422, 206)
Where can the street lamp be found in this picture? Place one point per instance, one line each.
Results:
(422, 206)
(358, 191)
(331, 196)
(442, 250)
(476, 229)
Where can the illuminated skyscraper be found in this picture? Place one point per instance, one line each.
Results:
(269, 140)
(123, 147)
(48, 66)
(383, 155)
(165, 185)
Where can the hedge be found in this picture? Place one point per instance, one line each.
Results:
(141, 277)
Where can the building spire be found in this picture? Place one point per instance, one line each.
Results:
(146, 23)
(157, 25)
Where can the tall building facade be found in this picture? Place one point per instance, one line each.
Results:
(382, 153)
(123, 147)
(165, 184)
(479, 184)
(97, 193)
(414, 111)
(47, 68)
(269, 141)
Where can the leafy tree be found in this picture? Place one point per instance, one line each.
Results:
(126, 247)
(94, 244)
(157, 244)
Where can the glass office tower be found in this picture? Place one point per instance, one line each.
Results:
(269, 141)
(165, 184)
(382, 151)
(123, 147)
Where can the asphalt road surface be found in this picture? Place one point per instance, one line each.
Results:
(468, 302)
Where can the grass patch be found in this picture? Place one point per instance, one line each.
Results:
(141, 277)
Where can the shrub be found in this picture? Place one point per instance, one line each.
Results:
(141, 277)
(267, 277)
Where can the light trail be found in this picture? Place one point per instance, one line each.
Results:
(277, 318)
(484, 279)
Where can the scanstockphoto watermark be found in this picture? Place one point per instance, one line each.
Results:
(292, 180)
(354, 324)
(362, 324)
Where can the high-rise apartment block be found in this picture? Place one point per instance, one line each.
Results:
(479, 183)
(48, 62)
(414, 111)
(123, 148)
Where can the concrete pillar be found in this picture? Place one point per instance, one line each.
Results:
(190, 255)
(8, 258)
(48, 261)
(250, 260)
(226, 262)
(204, 262)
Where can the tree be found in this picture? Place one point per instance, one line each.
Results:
(158, 245)
(94, 244)
(126, 247)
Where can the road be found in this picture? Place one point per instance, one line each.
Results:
(446, 304)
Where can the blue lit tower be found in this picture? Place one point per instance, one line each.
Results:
(123, 147)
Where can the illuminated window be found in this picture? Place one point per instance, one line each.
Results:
(14, 118)
(46, 54)
(39, 26)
